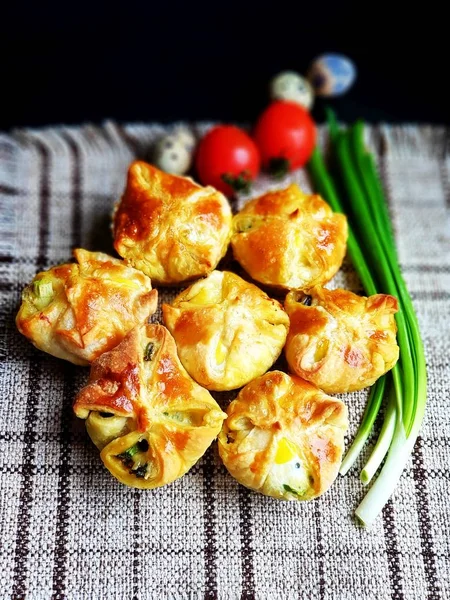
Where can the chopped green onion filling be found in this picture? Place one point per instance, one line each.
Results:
(127, 456)
(148, 352)
(42, 288)
(141, 471)
(142, 445)
(287, 488)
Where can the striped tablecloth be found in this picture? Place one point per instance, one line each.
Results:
(69, 530)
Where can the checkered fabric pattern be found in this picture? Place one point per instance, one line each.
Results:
(69, 530)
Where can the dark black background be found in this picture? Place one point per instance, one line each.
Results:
(165, 61)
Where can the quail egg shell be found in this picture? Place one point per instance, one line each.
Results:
(332, 75)
(186, 136)
(289, 85)
(172, 156)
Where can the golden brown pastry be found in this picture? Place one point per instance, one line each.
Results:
(340, 341)
(289, 239)
(169, 227)
(227, 330)
(77, 311)
(150, 420)
(284, 437)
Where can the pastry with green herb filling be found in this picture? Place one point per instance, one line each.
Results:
(283, 437)
(340, 341)
(77, 311)
(149, 419)
(289, 240)
(227, 330)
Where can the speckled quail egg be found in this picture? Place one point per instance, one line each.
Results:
(332, 75)
(186, 137)
(289, 85)
(172, 155)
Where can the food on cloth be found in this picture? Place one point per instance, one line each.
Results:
(285, 135)
(227, 330)
(284, 437)
(331, 75)
(339, 341)
(77, 311)
(228, 159)
(169, 227)
(150, 420)
(289, 239)
(289, 85)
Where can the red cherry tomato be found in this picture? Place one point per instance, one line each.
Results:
(285, 135)
(228, 159)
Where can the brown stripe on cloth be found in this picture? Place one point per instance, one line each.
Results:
(430, 295)
(34, 387)
(427, 268)
(319, 550)
(130, 141)
(63, 492)
(392, 552)
(137, 541)
(443, 171)
(210, 527)
(246, 535)
(8, 190)
(423, 513)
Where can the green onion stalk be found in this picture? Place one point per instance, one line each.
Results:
(371, 246)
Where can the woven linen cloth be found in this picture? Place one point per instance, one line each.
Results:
(70, 530)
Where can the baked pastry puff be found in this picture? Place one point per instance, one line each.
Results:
(340, 341)
(150, 420)
(169, 227)
(77, 311)
(227, 330)
(289, 239)
(284, 437)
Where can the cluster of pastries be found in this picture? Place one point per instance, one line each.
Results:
(147, 406)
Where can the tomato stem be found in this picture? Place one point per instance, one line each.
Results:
(278, 167)
(239, 183)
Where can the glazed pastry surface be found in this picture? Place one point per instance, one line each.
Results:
(227, 330)
(150, 420)
(340, 341)
(170, 227)
(284, 437)
(289, 239)
(77, 311)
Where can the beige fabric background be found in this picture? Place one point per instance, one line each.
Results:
(68, 530)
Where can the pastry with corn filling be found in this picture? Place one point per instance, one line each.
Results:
(170, 227)
(284, 437)
(77, 311)
(340, 341)
(148, 418)
(227, 330)
(289, 239)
